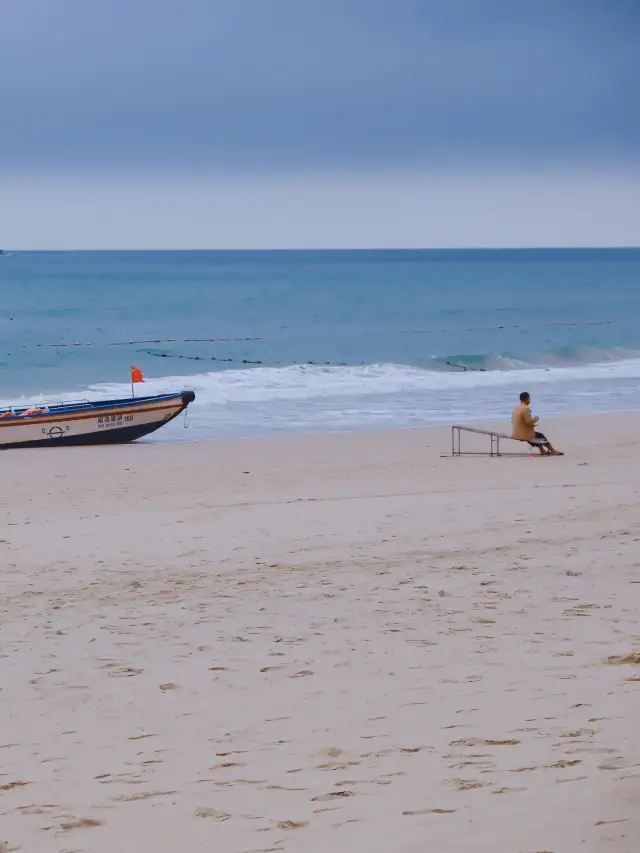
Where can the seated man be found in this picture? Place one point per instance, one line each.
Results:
(524, 427)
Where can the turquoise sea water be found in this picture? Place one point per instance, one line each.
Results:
(349, 340)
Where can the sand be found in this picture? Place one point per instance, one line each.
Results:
(336, 643)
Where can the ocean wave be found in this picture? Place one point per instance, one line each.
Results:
(300, 382)
(305, 382)
(322, 399)
(560, 357)
(268, 401)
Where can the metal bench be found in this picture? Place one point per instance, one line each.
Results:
(456, 443)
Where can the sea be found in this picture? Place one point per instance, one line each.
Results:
(325, 341)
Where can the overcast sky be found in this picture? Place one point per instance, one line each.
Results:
(239, 123)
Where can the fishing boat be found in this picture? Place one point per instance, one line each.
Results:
(84, 422)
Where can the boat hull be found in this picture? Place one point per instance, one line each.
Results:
(108, 422)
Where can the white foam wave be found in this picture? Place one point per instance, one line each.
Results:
(302, 382)
(311, 398)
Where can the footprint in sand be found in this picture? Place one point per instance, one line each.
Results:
(467, 784)
(484, 742)
(10, 785)
(79, 823)
(429, 811)
(621, 660)
(332, 795)
(292, 824)
(213, 814)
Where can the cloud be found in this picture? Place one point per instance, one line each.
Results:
(249, 85)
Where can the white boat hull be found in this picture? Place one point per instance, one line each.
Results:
(108, 422)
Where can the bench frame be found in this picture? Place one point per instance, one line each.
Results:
(456, 443)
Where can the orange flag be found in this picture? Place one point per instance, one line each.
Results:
(136, 375)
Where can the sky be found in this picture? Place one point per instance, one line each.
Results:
(328, 123)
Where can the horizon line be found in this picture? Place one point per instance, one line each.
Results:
(532, 248)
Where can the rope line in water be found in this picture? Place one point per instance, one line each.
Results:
(135, 343)
(506, 326)
(462, 367)
(466, 368)
(201, 358)
(77, 344)
(145, 341)
(248, 361)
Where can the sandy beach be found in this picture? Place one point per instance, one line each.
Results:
(332, 643)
